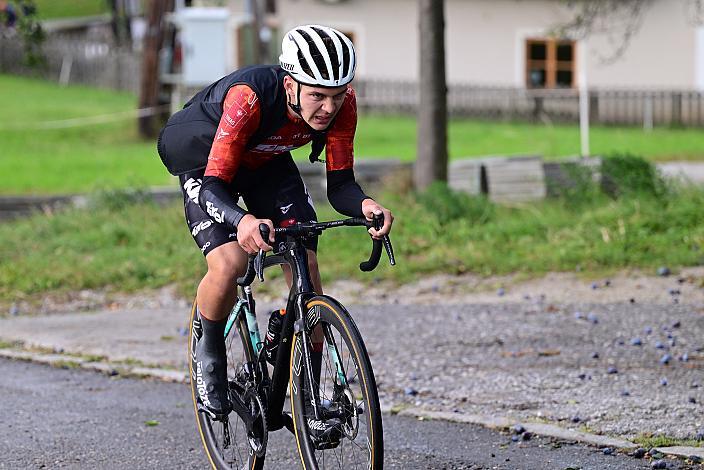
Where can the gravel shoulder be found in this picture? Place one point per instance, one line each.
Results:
(558, 350)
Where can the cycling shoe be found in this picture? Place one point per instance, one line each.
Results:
(209, 368)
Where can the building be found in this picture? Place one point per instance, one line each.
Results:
(509, 42)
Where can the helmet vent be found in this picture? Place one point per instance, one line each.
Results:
(316, 55)
(332, 52)
(345, 55)
(304, 64)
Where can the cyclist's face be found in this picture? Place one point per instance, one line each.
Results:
(319, 105)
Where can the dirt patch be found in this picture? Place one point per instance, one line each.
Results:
(685, 286)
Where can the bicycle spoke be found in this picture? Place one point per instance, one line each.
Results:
(335, 395)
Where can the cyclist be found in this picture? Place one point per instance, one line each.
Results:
(233, 139)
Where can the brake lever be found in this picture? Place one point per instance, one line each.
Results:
(378, 222)
(259, 260)
(259, 264)
(389, 250)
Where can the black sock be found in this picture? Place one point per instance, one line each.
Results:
(213, 336)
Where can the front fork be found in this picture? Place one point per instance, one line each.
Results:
(306, 322)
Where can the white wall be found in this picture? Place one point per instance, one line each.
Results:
(661, 54)
(485, 40)
(386, 36)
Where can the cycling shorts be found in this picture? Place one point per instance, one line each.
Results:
(274, 191)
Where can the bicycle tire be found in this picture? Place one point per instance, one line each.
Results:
(363, 448)
(212, 432)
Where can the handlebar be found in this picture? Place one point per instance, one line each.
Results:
(255, 266)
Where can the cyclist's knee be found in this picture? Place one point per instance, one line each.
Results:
(227, 262)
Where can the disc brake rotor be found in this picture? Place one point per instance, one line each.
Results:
(349, 406)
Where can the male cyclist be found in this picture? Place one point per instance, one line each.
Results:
(233, 139)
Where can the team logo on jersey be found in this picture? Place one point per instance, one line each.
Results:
(235, 114)
(271, 148)
(222, 134)
(284, 209)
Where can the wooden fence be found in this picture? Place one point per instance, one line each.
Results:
(69, 61)
(96, 63)
(647, 108)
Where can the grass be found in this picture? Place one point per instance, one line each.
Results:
(127, 245)
(52, 9)
(76, 159)
(111, 155)
(649, 441)
(396, 136)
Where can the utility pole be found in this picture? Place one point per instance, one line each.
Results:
(431, 159)
(261, 49)
(150, 85)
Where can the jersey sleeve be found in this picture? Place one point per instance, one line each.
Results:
(344, 193)
(339, 144)
(239, 121)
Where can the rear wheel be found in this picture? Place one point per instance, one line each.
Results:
(345, 394)
(227, 443)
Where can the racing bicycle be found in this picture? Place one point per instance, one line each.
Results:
(334, 407)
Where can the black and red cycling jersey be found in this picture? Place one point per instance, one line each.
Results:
(240, 121)
(243, 121)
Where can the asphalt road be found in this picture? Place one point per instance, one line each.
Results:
(62, 418)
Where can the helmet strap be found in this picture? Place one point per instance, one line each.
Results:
(297, 107)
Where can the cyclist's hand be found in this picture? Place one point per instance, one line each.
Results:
(248, 235)
(370, 208)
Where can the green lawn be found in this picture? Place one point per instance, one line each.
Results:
(86, 158)
(117, 244)
(73, 159)
(51, 9)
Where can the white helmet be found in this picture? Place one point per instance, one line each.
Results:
(318, 56)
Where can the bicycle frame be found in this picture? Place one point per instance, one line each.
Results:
(294, 254)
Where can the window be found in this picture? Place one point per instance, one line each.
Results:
(550, 63)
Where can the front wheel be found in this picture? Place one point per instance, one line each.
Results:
(336, 416)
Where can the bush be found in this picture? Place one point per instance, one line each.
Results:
(630, 175)
(448, 205)
(619, 176)
(578, 184)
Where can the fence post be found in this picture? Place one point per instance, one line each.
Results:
(677, 109)
(593, 107)
(537, 107)
(648, 112)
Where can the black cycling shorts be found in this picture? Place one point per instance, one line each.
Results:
(275, 191)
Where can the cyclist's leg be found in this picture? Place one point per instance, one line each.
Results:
(225, 258)
(215, 298)
(216, 291)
